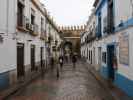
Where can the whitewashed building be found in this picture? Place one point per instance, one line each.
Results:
(24, 32)
(53, 40)
(88, 38)
(83, 45)
(114, 31)
(113, 43)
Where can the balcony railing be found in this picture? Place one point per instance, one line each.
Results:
(98, 32)
(90, 37)
(22, 22)
(34, 29)
(43, 34)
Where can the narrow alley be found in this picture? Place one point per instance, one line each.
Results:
(73, 84)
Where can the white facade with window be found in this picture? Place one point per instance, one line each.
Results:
(119, 39)
(25, 22)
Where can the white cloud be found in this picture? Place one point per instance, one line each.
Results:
(69, 12)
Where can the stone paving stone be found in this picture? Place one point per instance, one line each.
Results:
(76, 84)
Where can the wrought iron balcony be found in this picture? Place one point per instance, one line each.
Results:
(98, 32)
(34, 29)
(91, 36)
(22, 22)
(43, 34)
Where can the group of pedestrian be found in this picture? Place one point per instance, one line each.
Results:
(61, 62)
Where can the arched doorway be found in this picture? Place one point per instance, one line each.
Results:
(68, 46)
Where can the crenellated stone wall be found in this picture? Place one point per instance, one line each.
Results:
(72, 35)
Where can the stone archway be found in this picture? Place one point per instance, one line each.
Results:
(68, 47)
(72, 36)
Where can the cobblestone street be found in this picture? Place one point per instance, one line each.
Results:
(73, 84)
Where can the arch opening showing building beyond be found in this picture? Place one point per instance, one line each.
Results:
(71, 36)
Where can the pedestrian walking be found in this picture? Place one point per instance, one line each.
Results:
(74, 60)
(52, 63)
(61, 61)
(57, 72)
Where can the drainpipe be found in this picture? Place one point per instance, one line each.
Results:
(132, 6)
(7, 20)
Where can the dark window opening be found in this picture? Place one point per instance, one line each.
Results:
(104, 57)
(20, 16)
(32, 19)
(110, 17)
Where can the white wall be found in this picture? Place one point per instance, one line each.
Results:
(8, 27)
(7, 54)
(7, 16)
(128, 70)
(123, 11)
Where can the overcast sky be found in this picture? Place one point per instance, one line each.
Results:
(69, 12)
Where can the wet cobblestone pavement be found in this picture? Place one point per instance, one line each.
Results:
(73, 84)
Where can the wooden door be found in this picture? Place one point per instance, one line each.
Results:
(42, 56)
(20, 60)
(99, 57)
(32, 57)
(110, 53)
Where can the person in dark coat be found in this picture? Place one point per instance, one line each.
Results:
(52, 63)
(57, 72)
(74, 60)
